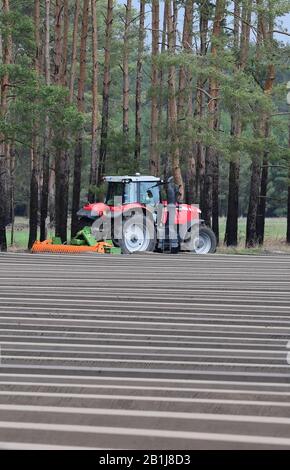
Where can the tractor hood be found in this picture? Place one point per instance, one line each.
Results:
(94, 210)
(98, 209)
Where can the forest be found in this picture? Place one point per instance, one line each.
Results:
(196, 89)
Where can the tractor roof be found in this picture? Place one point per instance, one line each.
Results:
(137, 177)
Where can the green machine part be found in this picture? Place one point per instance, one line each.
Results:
(84, 237)
(90, 239)
(56, 241)
(77, 242)
(113, 250)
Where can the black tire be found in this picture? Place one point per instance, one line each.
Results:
(132, 227)
(207, 241)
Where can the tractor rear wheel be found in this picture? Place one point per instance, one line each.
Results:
(138, 234)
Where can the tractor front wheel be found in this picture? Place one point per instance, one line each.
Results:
(138, 235)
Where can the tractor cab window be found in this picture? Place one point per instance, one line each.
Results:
(130, 193)
(149, 193)
(121, 193)
(115, 194)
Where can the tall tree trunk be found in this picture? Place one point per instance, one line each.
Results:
(199, 148)
(261, 212)
(74, 56)
(34, 196)
(46, 156)
(172, 108)
(4, 148)
(3, 181)
(12, 191)
(175, 19)
(211, 186)
(62, 156)
(126, 80)
(81, 108)
(231, 234)
(259, 129)
(251, 233)
(57, 55)
(288, 202)
(163, 101)
(33, 205)
(154, 164)
(268, 88)
(106, 92)
(139, 78)
(184, 104)
(215, 195)
(253, 237)
(94, 148)
(58, 21)
(74, 51)
(241, 43)
(64, 58)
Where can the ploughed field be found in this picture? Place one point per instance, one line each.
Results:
(144, 351)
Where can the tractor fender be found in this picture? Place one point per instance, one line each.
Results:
(190, 226)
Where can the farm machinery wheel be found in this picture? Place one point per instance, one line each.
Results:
(138, 234)
(207, 242)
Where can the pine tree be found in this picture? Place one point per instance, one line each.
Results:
(241, 45)
(106, 92)
(4, 148)
(261, 130)
(126, 80)
(211, 187)
(94, 147)
(46, 152)
(139, 77)
(185, 105)
(62, 156)
(199, 111)
(74, 51)
(34, 179)
(288, 199)
(78, 157)
(154, 163)
(268, 38)
(172, 108)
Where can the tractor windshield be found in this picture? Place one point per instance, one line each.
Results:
(128, 192)
(149, 193)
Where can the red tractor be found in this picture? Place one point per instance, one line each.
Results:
(141, 213)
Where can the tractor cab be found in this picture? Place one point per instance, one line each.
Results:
(122, 190)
